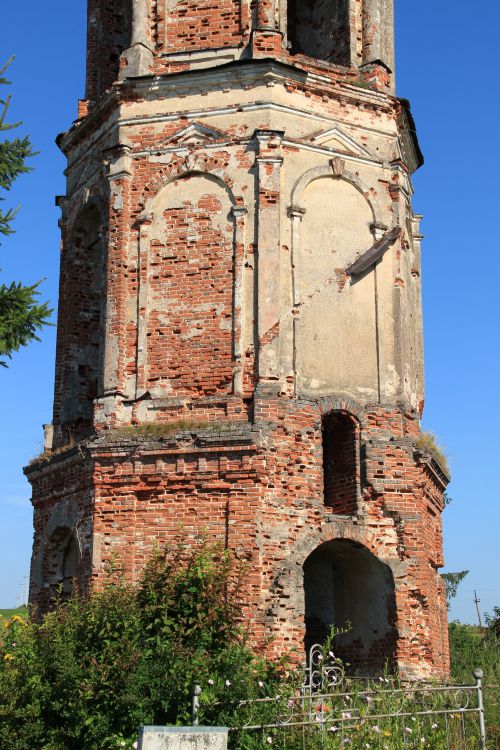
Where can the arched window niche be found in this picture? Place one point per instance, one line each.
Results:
(81, 321)
(341, 463)
(61, 561)
(347, 587)
(320, 29)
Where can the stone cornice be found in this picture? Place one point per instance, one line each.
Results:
(266, 71)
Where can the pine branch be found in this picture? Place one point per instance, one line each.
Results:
(21, 317)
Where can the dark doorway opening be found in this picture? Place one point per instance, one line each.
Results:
(320, 29)
(346, 586)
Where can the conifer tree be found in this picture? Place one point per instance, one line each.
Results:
(21, 314)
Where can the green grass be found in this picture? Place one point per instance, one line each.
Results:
(6, 614)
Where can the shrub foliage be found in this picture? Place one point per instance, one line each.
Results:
(95, 668)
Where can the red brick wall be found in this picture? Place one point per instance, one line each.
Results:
(191, 294)
(258, 489)
(202, 24)
(108, 34)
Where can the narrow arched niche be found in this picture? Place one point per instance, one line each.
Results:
(60, 564)
(340, 433)
(80, 324)
(320, 29)
(347, 587)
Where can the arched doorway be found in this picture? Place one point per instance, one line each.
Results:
(345, 585)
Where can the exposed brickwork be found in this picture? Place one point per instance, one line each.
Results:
(195, 24)
(108, 34)
(195, 245)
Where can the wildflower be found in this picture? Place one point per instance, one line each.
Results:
(210, 681)
(346, 715)
(367, 744)
(269, 740)
(333, 729)
(17, 618)
(6, 624)
(228, 683)
(423, 740)
(135, 745)
(8, 657)
(413, 718)
(381, 679)
(346, 741)
(369, 699)
(408, 730)
(320, 657)
(376, 729)
(434, 725)
(261, 684)
(331, 654)
(122, 743)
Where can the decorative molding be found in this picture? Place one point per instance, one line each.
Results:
(336, 134)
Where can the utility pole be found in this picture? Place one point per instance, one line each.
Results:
(476, 602)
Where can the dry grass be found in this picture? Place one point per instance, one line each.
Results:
(162, 430)
(428, 442)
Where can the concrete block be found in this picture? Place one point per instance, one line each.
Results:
(183, 738)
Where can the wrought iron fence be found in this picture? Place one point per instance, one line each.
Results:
(335, 711)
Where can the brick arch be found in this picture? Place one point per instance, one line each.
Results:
(288, 574)
(341, 402)
(337, 529)
(193, 164)
(95, 200)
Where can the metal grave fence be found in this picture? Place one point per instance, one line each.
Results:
(335, 711)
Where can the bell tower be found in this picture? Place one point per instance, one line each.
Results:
(240, 332)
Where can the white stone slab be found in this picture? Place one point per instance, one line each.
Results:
(183, 738)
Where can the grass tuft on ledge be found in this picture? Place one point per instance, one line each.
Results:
(162, 430)
(428, 442)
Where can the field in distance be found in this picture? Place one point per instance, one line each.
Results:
(6, 614)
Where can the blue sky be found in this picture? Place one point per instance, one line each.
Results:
(447, 58)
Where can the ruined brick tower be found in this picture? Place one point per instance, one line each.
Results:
(240, 332)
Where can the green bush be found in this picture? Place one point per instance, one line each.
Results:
(96, 668)
(471, 648)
